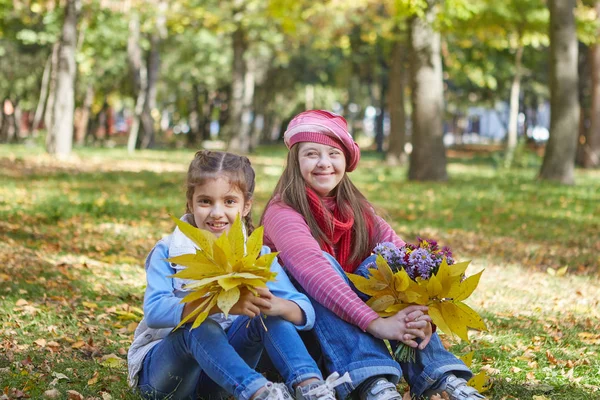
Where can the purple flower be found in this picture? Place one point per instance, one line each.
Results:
(422, 263)
(420, 260)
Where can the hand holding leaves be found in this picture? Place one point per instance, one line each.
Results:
(226, 272)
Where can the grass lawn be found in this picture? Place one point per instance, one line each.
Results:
(74, 235)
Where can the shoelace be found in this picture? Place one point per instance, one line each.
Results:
(331, 383)
(274, 390)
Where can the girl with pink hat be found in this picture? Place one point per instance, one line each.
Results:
(323, 226)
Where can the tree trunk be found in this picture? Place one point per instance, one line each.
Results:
(242, 93)
(49, 109)
(591, 147)
(39, 110)
(61, 130)
(397, 138)
(140, 78)
(84, 116)
(194, 117)
(17, 122)
(149, 137)
(428, 158)
(511, 142)
(559, 160)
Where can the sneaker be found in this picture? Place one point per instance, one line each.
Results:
(322, 390)
(457, 389)
(275, 391)
(380, 389)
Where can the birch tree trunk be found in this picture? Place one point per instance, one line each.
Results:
(49, 109)
(515, 90)
(41, 106)
(61, 130)
(559, 159)
(428, 158)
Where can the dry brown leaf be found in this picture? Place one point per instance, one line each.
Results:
(94, 378)
(74, 395)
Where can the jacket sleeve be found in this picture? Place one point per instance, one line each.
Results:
(162, 309)
(302, 256)
(284, 288)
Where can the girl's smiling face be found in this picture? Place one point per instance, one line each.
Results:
(321, 166)
(215, 205)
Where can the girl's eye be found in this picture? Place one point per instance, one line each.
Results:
(203, 201)
(230, 201)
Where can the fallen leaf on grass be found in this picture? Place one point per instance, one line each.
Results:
(111, 360)
(40, 342)
(52, 394)
(94, 379)
(74, 395)
(78, 344)
(57, 377)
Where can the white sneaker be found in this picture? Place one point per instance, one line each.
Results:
(457, 389)
(275, 391)
(381, 389)
(322, 390)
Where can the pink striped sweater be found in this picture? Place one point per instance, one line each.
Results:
(286, 231)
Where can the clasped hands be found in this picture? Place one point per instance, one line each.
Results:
(405, 326)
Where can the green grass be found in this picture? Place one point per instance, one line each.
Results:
(74, 235)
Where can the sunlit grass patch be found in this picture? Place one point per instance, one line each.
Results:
(74, 236)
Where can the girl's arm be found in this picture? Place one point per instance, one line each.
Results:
(279, 307)
(386, 233)
(287, 301)
(304, 259)
(162, 309)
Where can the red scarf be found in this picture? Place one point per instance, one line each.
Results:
(339, 233)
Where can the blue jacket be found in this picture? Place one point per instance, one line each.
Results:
(162, 301)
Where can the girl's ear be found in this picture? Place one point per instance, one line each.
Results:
(247, 208)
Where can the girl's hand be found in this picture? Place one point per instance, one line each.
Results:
(405, 326)
(279, 307)
(249, 304)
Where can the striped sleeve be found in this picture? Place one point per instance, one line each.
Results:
(286, 231)
(386, 233)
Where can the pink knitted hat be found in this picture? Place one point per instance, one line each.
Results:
(323, 127)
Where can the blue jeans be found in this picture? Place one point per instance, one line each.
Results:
(209, 363)
(347, 348)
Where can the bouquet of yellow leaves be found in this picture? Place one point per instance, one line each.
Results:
(221, 267)
(425, 275)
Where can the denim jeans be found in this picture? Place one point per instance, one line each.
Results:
(347, 348)
(209, 363)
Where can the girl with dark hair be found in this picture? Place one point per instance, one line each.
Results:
(220, 355)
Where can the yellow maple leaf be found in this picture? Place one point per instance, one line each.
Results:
(481, 382)
(467, 358)
(220, 268)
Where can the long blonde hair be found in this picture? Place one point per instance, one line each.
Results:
(291, 189)
(208, 165)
